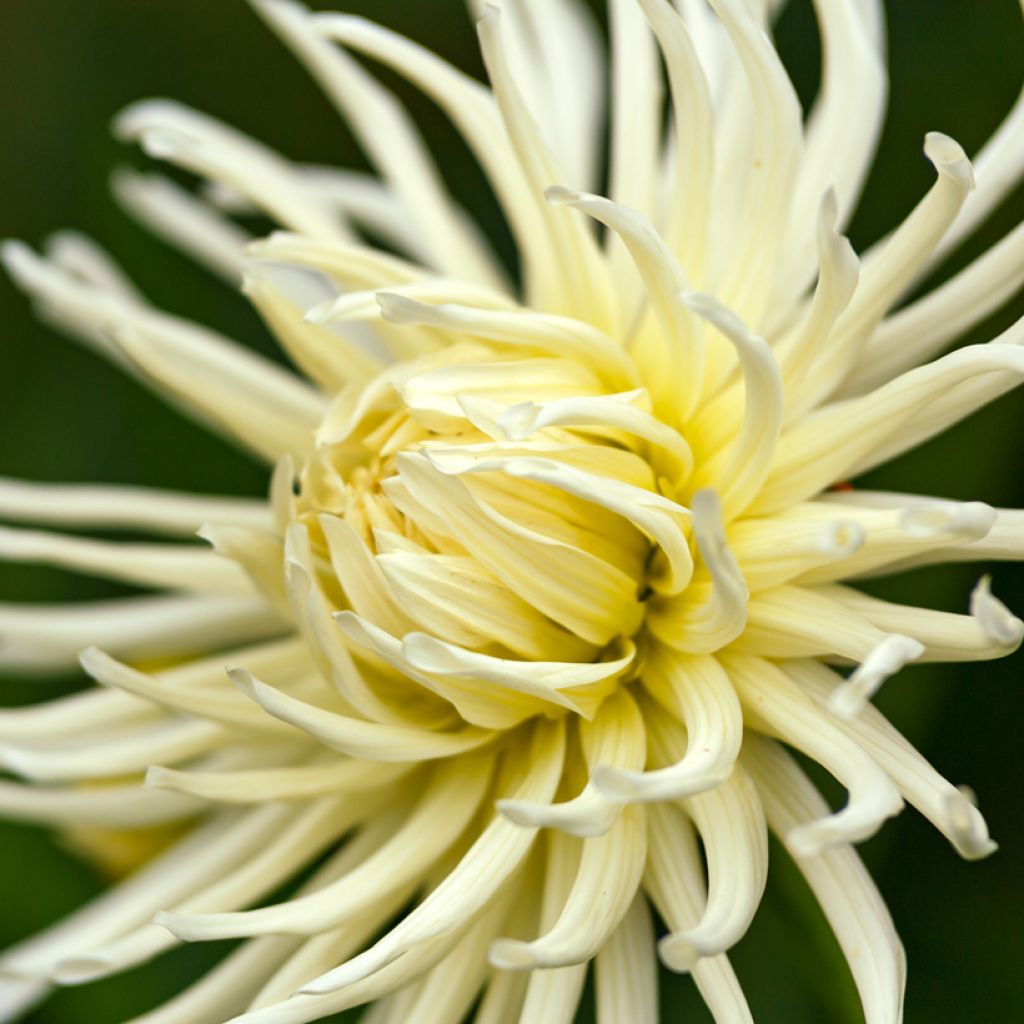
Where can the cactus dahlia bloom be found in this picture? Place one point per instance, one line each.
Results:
(552, 574)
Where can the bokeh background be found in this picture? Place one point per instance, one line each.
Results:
(66, 66)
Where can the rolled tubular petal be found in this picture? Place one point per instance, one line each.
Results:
(626, 970)
(172, 566)
(353, 736)
(731, 824)
(453, 795)
(663, 279)
(47, 638)
(747, 463)
(950, 809)
(674, 881)
(185, 220)
(207, 147)
(840, 883)
(692, 627)
(697, 692)
(390, 138)
(615, 739)
(774, 704)
(129, 508)
(252, 400)
(490, 861)
(609, 872)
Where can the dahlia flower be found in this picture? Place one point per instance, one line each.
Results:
(555, 569)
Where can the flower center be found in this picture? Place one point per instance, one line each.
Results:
(447, 515)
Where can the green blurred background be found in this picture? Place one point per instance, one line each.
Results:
(66, 66)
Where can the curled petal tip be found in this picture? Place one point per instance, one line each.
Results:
(511, 955)
(559, 194)
(949, 159)
(997, 622)
(678, 953)
(970, 833)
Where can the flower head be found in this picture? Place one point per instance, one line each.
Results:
(551, 573)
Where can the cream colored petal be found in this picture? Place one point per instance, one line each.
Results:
(776, 140)
(989, 631)
(838, 276)
(811, 540)
(674, 882)
(115, 807)
(799, 622)
(662, 519)
(953, 404)
(686, 224)
(585, 285)
(680, 357)
(671, 456)
(291, 782)
(208, 147)
(18, 996)
(183, 219)
(447, 992)
(840, 883)
(742, 468)
(493, 706)
(300, 841)
(577, 686)
(258, 404)
(705, 618)
(626, 970)
(47, 638)
(635, 136)
(130, 508)
(558, 60)
(922, 329)
(173, 566)
(614, 738)
(889, 269)
(355, 737)
(111, 757)
(390, 138)
(258, 553)
(360, 577)
(230, 987)
(473, 111)
(216, 705)
(731, 824)
(322, 353)
(204, 854)
(605, 886)
(453, 598)
(489, 862)
(697, 692)
(842, 130)
(434, 397)
(317, 954)
(554, 994)
(578, 590)
(325, 643)
(852, 435)
(774, 704)
(948, 808)
(891, 537)
(450, 798)
(559, 336)
(65, 718)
